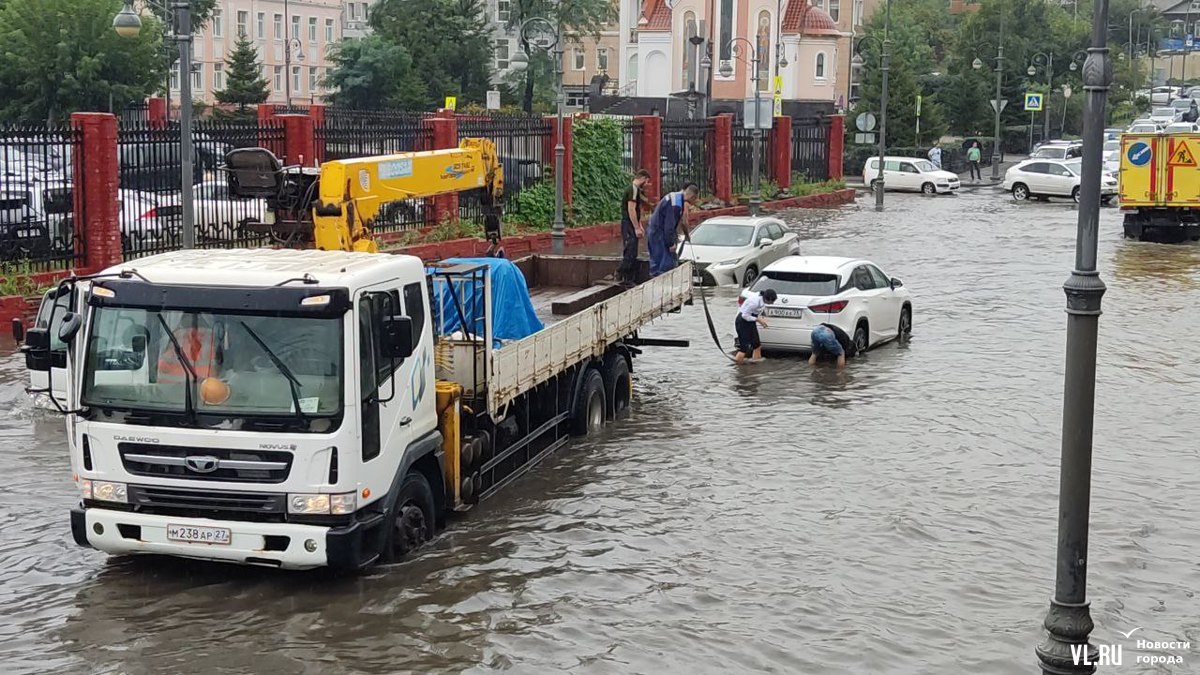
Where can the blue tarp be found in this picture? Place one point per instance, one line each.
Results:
(513, 317)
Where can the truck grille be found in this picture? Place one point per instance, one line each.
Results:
(216, 464)
(218, 504)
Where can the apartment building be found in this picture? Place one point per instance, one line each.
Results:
(308, 27)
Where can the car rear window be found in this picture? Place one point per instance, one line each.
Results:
(797, 283)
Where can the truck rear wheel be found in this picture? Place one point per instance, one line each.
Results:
(587, 416)
(618, 385)
(411, 520)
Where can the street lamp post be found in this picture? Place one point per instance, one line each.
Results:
(884, 61)
(128, 24)
(1041, 59)
(726, 70)
(996, 104)
(1068, 622)
(550, 39)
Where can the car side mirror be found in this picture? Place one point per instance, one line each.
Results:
(69, 328)
(397, 337)
(765, 242)
(896, 283)
(18, 331)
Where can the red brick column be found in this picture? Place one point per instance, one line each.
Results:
(95, 213)
(548, 153)
(836, 145)
(651, 151)
(267, 117)
(445, 135)
(722, 145)
(298, 139)
(157, 111)
(781, 152)
(266, 112)
(316, 111)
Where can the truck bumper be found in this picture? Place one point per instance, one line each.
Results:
(282, 545)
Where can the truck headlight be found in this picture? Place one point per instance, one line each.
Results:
(315, 504)
(105, 491)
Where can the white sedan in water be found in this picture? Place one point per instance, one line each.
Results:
(733, 250)
(852, 294)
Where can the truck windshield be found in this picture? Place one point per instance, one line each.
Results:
(233, 366)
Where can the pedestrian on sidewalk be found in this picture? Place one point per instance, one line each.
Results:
(663, 227)
(935, 154)
(746, 325)
(631, 227)
(974, 154)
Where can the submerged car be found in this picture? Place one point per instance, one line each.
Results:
(852, 294)
(1045, 178)
(910, 173)
(733, 250)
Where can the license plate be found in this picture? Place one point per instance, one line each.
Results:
(199, 535)
(785, 312)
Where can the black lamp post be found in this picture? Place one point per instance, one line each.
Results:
(857, 62)
(726, 70)
(998, 104)
(1068, 622)
(541, 32)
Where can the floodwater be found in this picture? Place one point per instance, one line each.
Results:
(898, 517)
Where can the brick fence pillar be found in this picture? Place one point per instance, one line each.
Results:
(297, 139)
(835, 145)
(267, 117)
(781, 152)
(156, 111)
(445, 135)
(722, 169)
(651, 152)
(95, 211)
(316, 111)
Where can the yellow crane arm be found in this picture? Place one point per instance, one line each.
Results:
(352, 191)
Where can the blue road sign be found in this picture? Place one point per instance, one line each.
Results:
(1139, 154)
(1033, 102)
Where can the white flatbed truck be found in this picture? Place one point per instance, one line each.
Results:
(326, 421)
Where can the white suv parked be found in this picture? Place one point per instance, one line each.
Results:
(909, 173)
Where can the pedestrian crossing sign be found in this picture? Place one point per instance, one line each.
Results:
(1182, 155)
(1033, 102)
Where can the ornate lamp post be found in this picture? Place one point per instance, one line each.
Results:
(128, 24)
(1069, 623)
(726, 70)
(1043, 60)
(539, 31)
(857, 63)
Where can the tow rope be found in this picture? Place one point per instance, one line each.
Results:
(712, 329)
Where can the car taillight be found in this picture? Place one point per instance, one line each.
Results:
(830, 307)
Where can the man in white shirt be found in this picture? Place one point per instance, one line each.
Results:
(746, 324)
(935, 154)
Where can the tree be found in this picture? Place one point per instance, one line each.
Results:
(916, 31)
(62, 56)
(244, 81)
(373, 72)
(448, 41)
(579, 18)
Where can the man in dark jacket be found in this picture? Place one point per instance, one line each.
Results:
(830, 341)
(631, 226)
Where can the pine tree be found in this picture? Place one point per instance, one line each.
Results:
(244, 82)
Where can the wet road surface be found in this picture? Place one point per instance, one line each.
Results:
(898, 517)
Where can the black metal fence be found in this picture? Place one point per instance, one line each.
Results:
(742, 160)
(686, 154)
(151, 183)
(810, 148)
(136, 112)
(526, 155)
(631, 144)
(36, 198)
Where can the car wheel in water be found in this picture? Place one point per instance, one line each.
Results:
(929, 189)
(905, 328)
(1075, 195)
(749, 276)
(862, 337)
(1020, 192)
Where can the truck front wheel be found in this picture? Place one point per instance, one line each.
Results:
(412, 518)
(587, 416)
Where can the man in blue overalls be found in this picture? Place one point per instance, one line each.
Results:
(661, 231)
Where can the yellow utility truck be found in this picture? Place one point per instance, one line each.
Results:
(1160, 186)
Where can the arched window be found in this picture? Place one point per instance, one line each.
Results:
(764, 51)
(688, 49)
(820, 69)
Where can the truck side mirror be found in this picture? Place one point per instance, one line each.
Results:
(18, 330)
(69, 328)
(37, 340)
(138, 344)
(397, 337)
